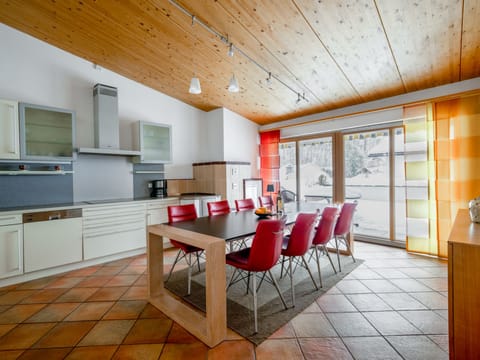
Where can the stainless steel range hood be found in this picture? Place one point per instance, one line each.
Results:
(106, 124)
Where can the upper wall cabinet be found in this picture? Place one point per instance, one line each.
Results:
(46, 133)
(9, 130)
(154, 142)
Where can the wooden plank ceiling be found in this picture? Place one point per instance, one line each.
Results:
(337, 52)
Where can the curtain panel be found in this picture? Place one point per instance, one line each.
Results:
(457, 156)
(270, 159)
(421, 227)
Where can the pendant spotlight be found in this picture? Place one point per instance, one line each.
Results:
(233, 84)
(195, 87)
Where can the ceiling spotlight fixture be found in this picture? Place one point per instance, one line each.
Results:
(233, 85)
(195, 87)
(269, 79)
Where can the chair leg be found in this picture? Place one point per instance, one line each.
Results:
(231, 278)
(173, 265)
(198, 253)
(248, 282)
(255, 300)
(291, 280)
(278, 289)
(309, 272)
(338, 255)
(329, 258)
(261, 281)
(348, 248)
(281, 271)
(189, 273)
(318, 266)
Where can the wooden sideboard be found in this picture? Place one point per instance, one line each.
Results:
(464, 288)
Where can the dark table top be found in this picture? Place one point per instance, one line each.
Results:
(240, 224)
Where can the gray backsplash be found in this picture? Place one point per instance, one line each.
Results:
(140, 181)
(31, 190)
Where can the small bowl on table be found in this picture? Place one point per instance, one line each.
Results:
(263, 212)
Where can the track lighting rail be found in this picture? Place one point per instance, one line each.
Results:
(232, 47)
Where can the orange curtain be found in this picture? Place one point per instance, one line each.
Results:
(457, 155)
(270, 159)
(421, 226)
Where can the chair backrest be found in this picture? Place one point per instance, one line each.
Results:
(218, 207)
(344, 221)
(266, 245)
(325, 227)
(302, 235)
(288, 196)
(244, 204)
(265, 201)
(178, 213)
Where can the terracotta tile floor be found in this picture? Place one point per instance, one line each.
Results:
(393, 306)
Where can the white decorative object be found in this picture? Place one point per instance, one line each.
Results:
(474, 206)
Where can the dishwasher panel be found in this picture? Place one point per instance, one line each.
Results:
(52, 238)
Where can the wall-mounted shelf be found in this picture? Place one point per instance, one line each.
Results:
(115, 152)
(149, 172)
(33, 172)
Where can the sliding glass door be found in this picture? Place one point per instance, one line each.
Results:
(375, 178)
(372, 173)
(316, 169)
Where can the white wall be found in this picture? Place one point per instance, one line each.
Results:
(212, 146)
(35, 72)
(240, 139)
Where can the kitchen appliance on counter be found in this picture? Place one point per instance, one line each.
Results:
(159, 188)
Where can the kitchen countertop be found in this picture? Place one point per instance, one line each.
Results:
(87, 203)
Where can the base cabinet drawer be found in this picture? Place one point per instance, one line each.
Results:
(110, 230)
(11, 250)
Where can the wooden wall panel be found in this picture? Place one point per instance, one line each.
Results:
(340, 52)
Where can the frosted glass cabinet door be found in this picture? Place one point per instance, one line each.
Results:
(9, 130)
(155, 142)
(11, 250)
(46, 133)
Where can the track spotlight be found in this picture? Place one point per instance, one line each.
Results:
(233, 85)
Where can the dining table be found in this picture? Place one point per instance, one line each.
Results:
(210, 233)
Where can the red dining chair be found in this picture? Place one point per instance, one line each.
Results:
(266, 201)
(244, 204)
(178, 213)
(259, 258)
(343, 228)
(297, 244)
(323, 235)
(218, 207)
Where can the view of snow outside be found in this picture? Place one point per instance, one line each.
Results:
(366, 177)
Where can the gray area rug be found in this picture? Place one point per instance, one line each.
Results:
(271, 313)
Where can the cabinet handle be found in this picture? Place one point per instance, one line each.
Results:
(13, 142)
(94, 235)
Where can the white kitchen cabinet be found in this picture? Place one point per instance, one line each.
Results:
(154, 142)
(9, 130)
(11, 245)
(46, 133)
(157, 214)
(113, 229)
